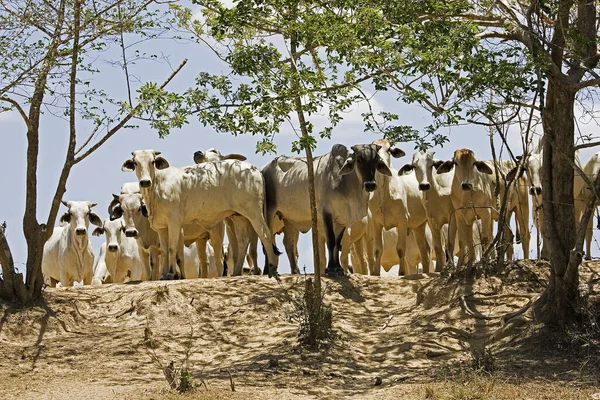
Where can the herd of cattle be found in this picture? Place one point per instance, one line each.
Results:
(171, 223)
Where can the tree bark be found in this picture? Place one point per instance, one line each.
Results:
(558, 305)
(12, 287)
(310, 167)
(35, 233)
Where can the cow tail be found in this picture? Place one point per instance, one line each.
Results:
(275, 249)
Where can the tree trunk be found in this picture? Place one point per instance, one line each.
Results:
(557, 306)
(310, 166)
(12, 287)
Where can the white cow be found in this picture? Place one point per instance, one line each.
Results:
(192, 262)
(436, 198)
(239, 230)
(202, 194)
(473, 196)
(68, 255)
(288, 204)
(533, 168)
(582, 194)
(120, 255)
(129, 204)
(398, 203)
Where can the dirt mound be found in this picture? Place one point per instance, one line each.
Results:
(107, 341)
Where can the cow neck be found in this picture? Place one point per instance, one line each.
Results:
(80, 246)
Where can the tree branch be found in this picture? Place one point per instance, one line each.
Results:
(124, 121)
(16, 105)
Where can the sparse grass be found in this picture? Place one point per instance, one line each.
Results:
(315, 318)
(178, 376)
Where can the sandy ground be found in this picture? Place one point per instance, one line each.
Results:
(415, 334)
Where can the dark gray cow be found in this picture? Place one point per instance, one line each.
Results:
(343, 181)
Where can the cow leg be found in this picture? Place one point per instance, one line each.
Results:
(290, 242)
(340, 230)
(424, 247)
(401, 250)
(345, 248)
(377, 232)
(436, 237)
(163, 238)
(266, 237)
(451, 243)
(253, 253)
(333, 239)
(487, 226)
(322, 246)
(155, 262)
(53, 282)
(145, 258)
(217, 234)
(201, 249)
(358, 256)
(589, 233)
(522, 217)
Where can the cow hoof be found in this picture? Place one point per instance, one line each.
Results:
(334, 272)
(168, 277)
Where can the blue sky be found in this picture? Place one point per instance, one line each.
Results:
(97, 177)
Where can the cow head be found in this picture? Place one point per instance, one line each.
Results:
(131, 206)
(366, 160)
(533, 167)
(386, 151)
(212, 155)
(465, 164)
(145, 163)
(423, 164)
(79, 215)
(113, 229)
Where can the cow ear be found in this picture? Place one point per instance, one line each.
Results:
(98, 231)
(234, 156)
(483, 167)
(383, 168)
(115, 212)
(144, 210)
(397, 152)
(445, 167)
(513, 172)
(128, 166)
(66, 217)
(437, 163)
(95, 219)
(348, 166)
(161, 163)
(405, 169)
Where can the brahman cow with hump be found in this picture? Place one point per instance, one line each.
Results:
(436, 199)
(68, 255)
(398, 203)
(286, 186)
(119, 255)
(581, 191)
(473, 196)
(129, 204)
(202, 194)
(239, 230)
(343, 182)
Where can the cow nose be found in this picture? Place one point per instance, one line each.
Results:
(113, 247)
(466, 186)
(198, 156)
(535, 191)
(370, 186)
(424, 186)
(145, 183)
(131, 233)
(80, 231)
